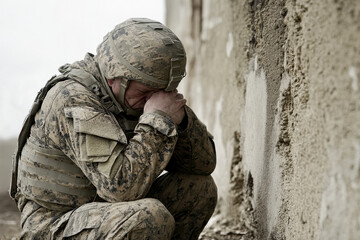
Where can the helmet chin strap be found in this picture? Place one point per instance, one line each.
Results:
(121, 96)
(119, 102)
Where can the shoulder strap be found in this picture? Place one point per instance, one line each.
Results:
(89, 81)
(25, 131)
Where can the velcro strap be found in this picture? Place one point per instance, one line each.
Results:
(156, 26)
(143, 20)
(175, 74)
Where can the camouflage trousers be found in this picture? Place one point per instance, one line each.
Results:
(178, 206)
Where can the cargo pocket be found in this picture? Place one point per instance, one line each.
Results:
(59, 225)
(89, 216)
(100, 137)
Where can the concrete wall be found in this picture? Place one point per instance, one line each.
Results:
(277, 83)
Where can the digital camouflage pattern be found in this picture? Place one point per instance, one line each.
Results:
(147, 46)
(122, 160)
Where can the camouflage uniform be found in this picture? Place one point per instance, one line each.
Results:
(88, 171)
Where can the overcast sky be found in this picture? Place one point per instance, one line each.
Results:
(38, 36)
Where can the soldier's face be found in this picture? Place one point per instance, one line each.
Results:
(136, 94)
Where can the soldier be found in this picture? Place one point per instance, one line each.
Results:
(92, 152)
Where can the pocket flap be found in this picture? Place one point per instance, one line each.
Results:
(98, 147)
(92, 122)
(85, 217)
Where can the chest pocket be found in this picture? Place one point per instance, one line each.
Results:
(101, 139)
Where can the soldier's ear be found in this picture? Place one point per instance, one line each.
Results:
(110, 82)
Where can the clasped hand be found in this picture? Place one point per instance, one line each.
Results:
(171, 103)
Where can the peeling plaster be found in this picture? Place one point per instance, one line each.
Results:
(355, 173)
(199, 95)
(213, 22)
(334, 205)
(255, 121)
(208, 22)
(307, 186)
(229, 44)
(354, 78)
(224, 152)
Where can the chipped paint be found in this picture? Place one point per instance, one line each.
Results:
(354, 78)
(229, 44)
(255, 120)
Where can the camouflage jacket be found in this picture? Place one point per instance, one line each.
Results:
(74, 121)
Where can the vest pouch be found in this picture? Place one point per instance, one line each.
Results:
(52, 180)
(101, 139)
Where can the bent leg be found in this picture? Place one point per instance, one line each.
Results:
(191, 199)
(141, 219)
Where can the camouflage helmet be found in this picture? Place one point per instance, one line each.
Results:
(142, 50)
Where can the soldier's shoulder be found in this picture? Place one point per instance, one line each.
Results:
(69, 92)
(64, 90)
(70, 87)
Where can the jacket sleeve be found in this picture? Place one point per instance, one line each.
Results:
(120, 170)
(195, 150)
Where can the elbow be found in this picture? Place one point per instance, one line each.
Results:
(125, 192)
(210, 164)
(211, 159)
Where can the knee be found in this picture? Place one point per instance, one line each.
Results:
(203, 185)
(199, 189)
(211, 187)
(208, 190)
(156, 218)
(199, 200)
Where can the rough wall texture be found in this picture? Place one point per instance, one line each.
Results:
(277, 83)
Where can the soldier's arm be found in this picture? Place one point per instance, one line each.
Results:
(195, 150)
(120, 170)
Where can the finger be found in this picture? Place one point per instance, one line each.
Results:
(174, 92)
(179, 96)
(181, 102)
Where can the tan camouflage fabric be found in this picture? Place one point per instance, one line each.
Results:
(143, 50)
(133, 200)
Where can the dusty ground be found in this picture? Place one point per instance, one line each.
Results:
(9, 218)
(223, 229)
(9, 214)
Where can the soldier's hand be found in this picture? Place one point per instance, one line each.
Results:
(171, 103)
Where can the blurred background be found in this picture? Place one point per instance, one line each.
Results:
(39, 36)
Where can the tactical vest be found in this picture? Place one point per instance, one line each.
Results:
(48, 176)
